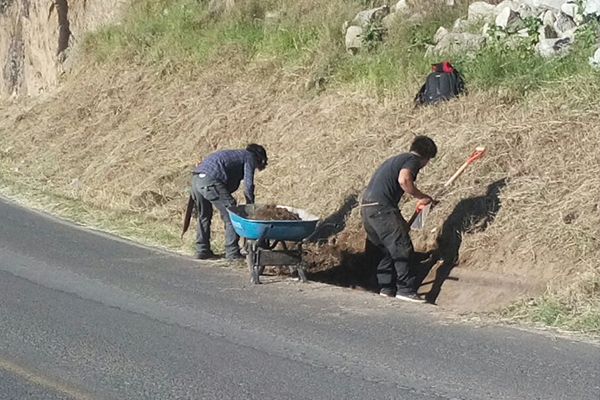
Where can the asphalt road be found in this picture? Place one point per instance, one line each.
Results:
(85, 315)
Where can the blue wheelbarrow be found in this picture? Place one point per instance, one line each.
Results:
(262, 237)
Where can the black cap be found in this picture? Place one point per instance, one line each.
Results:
(259, 152)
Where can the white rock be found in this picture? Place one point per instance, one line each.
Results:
(508, 19)
(595, 59)
(549, 4)
(439, 35)
(481, 10)
(552, 47)
(459, 42)
(366, 17)
(513, 5)
(570, 8)
(450, 3)
(354, 39)
(525, 11)
(390, 20)
(564, 23)
(459, 25)
(592, 7)
(548, 18)
(401, 7)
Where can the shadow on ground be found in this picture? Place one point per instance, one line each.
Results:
(470, 215)
(336, 222)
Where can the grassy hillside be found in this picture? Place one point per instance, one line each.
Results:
(171, 82)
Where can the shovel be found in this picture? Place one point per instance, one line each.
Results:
(420, 215)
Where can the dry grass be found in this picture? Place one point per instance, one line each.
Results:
(114, 132)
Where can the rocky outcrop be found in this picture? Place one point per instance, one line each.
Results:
(512, 20)
(355, 29)
(37, 36)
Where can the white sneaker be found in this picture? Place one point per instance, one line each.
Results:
(412, 297)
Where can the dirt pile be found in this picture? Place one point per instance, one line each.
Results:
(271, 212)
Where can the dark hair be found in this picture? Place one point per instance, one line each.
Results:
(260, 154)
(424, 146)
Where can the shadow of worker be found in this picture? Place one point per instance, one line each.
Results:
(336, 222)
(469, 216)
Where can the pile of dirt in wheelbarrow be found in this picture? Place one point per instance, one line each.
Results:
(273, 213)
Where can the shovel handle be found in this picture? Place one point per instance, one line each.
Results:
(475, 154)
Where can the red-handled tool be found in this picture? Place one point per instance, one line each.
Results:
(418, 218)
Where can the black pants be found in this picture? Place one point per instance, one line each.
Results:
(390, 247)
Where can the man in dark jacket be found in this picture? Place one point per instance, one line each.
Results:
(388, 239)
(213, 182)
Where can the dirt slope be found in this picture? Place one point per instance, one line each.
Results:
(524, 216)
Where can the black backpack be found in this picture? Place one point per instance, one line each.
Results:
(443, 83)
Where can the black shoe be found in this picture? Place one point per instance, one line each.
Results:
(412, 297)
(235, 256)
(205, 255)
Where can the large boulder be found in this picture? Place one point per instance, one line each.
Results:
(553, 47)
(481, 10)
(509, 20)
(459, 42)
(354, 39)
(370, 16)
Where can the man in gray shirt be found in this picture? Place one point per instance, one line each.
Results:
(388, 239)
(213, 182)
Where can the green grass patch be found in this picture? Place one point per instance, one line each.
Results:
(186, 35)
(574, 308)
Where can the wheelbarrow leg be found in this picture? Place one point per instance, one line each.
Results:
(252, 261)
(302, 274)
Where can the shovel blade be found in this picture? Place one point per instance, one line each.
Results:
(421, 217)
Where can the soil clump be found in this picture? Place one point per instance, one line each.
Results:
(273, 213)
